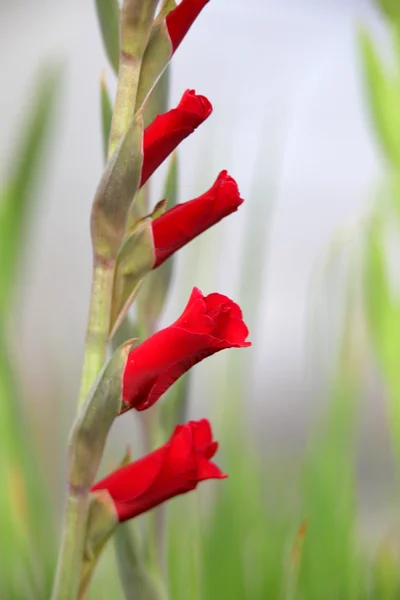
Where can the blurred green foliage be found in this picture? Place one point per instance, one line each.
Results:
(26, 552)
(254, 537)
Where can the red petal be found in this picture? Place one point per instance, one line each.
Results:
(202, 433)
(135, 479)
(166, 132)
(181, 19)
(168, 377)
(208, 470)
(182, 223)
(216, 300)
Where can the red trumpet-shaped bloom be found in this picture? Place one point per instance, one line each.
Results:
(181, 19)
(168, 130)
(175, 468)
(179, 225)
(207, 325)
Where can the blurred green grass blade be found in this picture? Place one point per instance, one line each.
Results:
(16, 198)
(25, 512)
(386, 584)
(26, 520)
(106, 114)
(391, 8)
(383, 92)
(108, 15)
(377, 293)
(137, 581)
(331, 566)
(383, 312)
(171, 182)
(183, 550)
(245, 540)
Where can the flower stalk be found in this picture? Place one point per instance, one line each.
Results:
(135, 26)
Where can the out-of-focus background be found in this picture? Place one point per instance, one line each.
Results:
(291, 124)
(289, 118)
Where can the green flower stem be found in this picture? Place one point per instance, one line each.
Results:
(135, 26)
(98, 325)
(68, 573)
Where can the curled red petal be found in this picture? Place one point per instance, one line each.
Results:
(166, 132)
(208, 470)
(181, 224)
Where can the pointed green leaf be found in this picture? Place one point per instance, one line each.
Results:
(116, 192)
(108, 15)
(106, 114)
(135, 259)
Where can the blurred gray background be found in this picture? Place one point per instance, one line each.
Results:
(290, 123)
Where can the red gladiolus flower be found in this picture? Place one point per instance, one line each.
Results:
(207, 325)
(168, 130)
(179, 225)
(181, 19)
(175, 468)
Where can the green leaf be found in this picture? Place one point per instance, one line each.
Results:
(138, 582)
(16, 198)
(108, 15)
(116, 192)
(106, 114)
(384, 98)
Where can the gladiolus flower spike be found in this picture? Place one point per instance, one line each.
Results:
(207, 325)
(174, 469)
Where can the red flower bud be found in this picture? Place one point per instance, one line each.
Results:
(175, 468)
(181, 19)
(207, 325)
(183, 222)
(168, 130)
